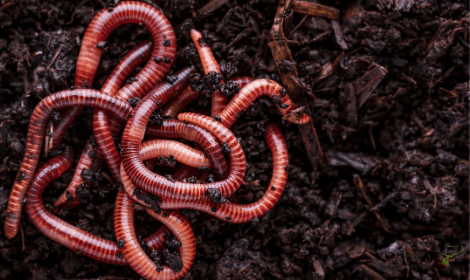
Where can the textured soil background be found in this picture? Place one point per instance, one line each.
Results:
(408, 146)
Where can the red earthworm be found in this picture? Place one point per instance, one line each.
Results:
(133, 253)
(177, 104)
(64, 233)
(34, 140)
(241, 82)
(126, 66)
(135, 57)
(181, 152)
(170, 111)
(228, 211)
(159, 185)
(209, 63)
(69, 198)
(164, 49)
(251, 92)
(161, 93)
(154, 148)
(193, 133)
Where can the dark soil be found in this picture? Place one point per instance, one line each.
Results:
(390, 195)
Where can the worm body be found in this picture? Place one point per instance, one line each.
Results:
(205, 54)
(104, 133)
(155, 148)
(251, 92)
(69, 198)
(239, 213)
(133, 253)
(241, 82)
(164, 45)
(72, 237)
(105, 22)
(193, 133)
(34, 140)
(134, 58)
(228, 211)
(177, 104)
(181, 152)
(209, 63)
(159, 185)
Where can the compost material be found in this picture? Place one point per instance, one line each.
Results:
(386, 84)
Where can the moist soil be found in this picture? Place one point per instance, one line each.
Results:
(388, 195)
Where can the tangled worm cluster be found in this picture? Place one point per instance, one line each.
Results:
(160, 196)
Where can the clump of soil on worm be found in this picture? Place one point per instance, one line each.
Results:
(390, 195)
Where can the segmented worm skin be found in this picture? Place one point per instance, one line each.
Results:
(177, 104)
(69, 198)
(133, 253)
(209, 63)
(170, 111)
(104, 128)
(181, 152)
(35, 136)
(241, 82)
(193, 133)
(126, 66)
(64, 233)
(159, 185)
(232, 212)
(164, 45)
(250, 93)
(135, 57)
(155, 148)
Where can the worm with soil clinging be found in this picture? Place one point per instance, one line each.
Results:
(228, 211)
(133, 253)
(164, 45)
(159, 185)
(177, 104)
(254, 90)
(134, 58)
(35, 136)
(193, 133)
(210, 65)
(64, 233)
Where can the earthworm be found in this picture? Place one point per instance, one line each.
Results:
(163, 53)
(228, 211)
(133, 253)
(69, 198)
(34, 140)
(241, 82)
(193, 133)
(254, 90)
(135, 57)
(159, 185)
(102, 130)
(154, 148)
(170, 111)
(177, 104)
(64, 233)
(209, 63)
(181, 152)
(158, 96)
